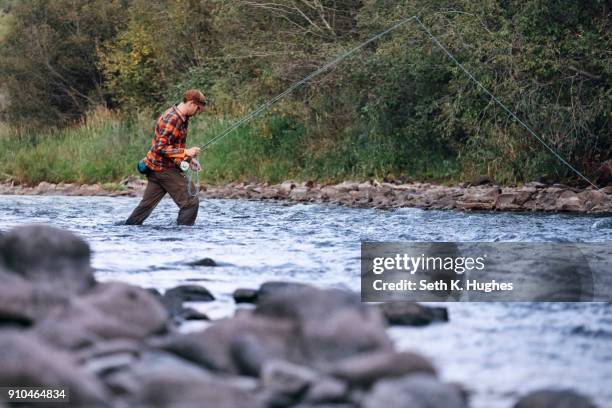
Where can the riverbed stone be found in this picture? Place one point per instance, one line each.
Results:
(554, 399)
(189, 293)
(27, 361)
(333, 324)
(414, 391)
(287, 378)
(111, 310)
(237, 346)
(366, 368)
(412, 314)
(168, 382)
(49, 256)
(242, 295)
(203, 262)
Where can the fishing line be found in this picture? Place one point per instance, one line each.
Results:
(341, 57)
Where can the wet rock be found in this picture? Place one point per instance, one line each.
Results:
(412, 314)
(49, 256)
(367, 368)
(110, 311)
(27, 361)
(188, 313)
(554, 399)
(236, 346)
(414, 391)
(203, 262)
(245, 295)
(279, 287)
(332, 324)
(189, 293)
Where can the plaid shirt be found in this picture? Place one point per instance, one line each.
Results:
(168, 146)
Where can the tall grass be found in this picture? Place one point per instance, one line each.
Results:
(105, 148)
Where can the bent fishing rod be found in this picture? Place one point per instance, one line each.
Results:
(264, 107)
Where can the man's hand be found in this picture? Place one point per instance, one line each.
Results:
(195, 165)
(192, 152)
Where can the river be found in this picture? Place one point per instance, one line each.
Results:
(498, 350)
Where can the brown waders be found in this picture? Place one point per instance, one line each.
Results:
(173, 182)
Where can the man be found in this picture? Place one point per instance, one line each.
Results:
(164, 158)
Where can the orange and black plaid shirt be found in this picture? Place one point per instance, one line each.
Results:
(168, 146)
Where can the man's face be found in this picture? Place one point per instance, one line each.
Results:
(193, 108)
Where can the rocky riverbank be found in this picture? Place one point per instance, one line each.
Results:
(475, 196)
(116, 345)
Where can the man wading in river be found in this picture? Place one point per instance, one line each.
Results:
(161, 165)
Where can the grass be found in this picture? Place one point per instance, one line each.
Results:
(105, 148)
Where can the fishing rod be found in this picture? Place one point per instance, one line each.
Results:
(264, 107)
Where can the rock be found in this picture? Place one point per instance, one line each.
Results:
(164, 381)
(412, 314)
(367, 368)
(332, 324)
(593, 198)
(287, 378)
(554, 399)
(203, 262)
(236, 346)
(189, 293)
(50, 256)
(17, 300)
(110, 311)
(414, 391)
(535, 184)
(327, 390)
(279, 287)
(286, 187)
(569, 201)
(480, 180)
(192, 314)
(27, 361)
(299, 193)
(245, 295)
(347, 186)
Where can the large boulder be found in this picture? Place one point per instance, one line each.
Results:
(161, 381)
(27, 361)
(111, 310)
(47, 255)
(238, 346)
(332, 324)
(22, 302)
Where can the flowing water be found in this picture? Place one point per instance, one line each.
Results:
(498, 350)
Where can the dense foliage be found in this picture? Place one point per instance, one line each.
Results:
(399, 107)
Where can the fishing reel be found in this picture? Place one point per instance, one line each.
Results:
(194, 165)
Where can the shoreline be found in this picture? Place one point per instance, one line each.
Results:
(532, 197)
